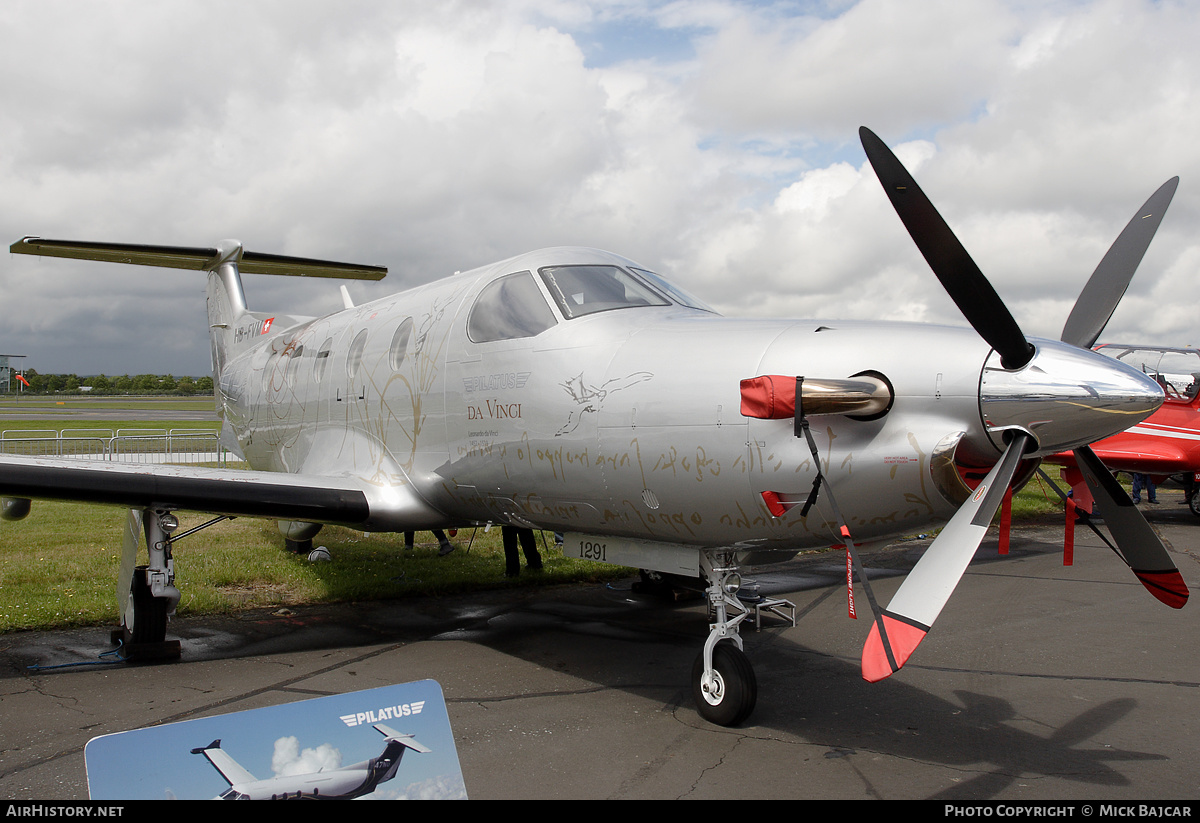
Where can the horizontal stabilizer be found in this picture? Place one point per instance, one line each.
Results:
(405, 740)
(195, 258)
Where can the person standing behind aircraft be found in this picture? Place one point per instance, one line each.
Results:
(1141, 481)
(444, 545)
(512, 560)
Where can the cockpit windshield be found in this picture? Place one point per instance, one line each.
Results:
(581, 290)
(674, 292)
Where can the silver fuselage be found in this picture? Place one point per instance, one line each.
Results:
(627, 422)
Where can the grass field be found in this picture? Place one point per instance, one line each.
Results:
(58, 567)
(83, 403)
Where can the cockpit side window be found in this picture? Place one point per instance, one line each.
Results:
(509, 308)
(1177, 374)
(581, 290)
(1176, 370)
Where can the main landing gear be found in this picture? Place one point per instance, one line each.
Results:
(146, 594)
(723, 682)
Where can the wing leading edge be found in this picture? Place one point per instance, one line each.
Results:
(231, 492)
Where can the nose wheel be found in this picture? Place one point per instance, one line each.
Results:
(725, 695)
(723, 682)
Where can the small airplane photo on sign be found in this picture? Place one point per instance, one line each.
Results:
(389, 743)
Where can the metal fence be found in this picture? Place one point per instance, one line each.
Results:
(192, 447)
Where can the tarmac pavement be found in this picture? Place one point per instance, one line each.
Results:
(1039, 682)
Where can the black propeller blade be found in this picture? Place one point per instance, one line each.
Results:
(961, 278)
(1108, 282)
(1135, 540)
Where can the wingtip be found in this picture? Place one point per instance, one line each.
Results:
(903, 637)
(1168, 587)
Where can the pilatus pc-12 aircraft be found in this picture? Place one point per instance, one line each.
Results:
(574, 390)
(345, 783)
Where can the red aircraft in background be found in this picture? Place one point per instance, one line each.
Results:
(1163, 445)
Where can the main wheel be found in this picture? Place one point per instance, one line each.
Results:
(1194, 501)
(734, 690)
(145, 614)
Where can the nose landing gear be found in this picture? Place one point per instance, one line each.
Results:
(723, 682)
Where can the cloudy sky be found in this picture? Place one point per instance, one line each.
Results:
(712, 140)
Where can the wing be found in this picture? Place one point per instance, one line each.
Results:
(406, 740)
(233, 492)
(1153, 454)
(1159, 458)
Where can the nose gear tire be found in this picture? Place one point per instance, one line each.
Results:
(734, 692)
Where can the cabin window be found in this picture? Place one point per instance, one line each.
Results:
(399, 348)
(509, 308)
(322, 359)
(581, 290)
(354, 358)
(294, 364)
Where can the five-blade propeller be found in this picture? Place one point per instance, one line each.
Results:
(900, 627)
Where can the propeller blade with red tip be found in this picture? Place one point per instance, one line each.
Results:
(920, 599)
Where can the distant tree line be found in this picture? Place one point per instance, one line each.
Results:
(104, 385)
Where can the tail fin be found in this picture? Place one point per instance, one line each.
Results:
(226, 299)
